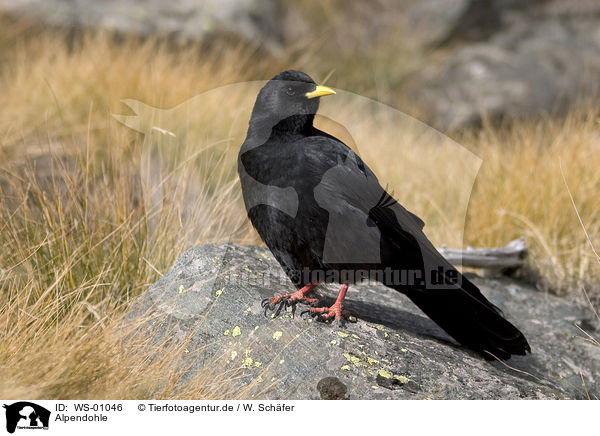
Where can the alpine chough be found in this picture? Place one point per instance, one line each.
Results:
(325, 217)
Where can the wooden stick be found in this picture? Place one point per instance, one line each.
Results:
(511, 256)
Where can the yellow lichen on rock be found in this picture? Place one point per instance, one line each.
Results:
(384, 373)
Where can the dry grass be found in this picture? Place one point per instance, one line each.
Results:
(77, 240)
(520, 191)
(81, 235)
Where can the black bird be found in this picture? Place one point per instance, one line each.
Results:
(325, 217)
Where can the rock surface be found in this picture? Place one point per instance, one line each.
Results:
(212, 298)
(250, 20)
(539, 58)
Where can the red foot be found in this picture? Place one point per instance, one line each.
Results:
(291, 298)
(329, 312)
(288, 300)
(335, 310)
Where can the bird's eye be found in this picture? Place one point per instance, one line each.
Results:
(290, 91)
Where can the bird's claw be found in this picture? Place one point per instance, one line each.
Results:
(333, 313)
(282, 302)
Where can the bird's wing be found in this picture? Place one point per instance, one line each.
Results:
(352, 195)
(362, 215)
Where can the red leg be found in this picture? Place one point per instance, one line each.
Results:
(336, 309)
(287, 300)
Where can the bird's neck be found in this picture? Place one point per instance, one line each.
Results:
(263, 128)
(296, 124)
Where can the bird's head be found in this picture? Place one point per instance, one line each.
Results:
(290, 97)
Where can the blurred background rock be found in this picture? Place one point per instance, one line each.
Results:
(450, 62)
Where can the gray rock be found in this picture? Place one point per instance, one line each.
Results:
(250, 20)
(538, 62)
(438, 22)
(212, 297)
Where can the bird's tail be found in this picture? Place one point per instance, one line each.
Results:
(466, 315)
(459, 307)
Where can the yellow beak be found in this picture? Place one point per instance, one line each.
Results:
(320, 91)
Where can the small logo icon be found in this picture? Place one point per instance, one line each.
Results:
(26, 415)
